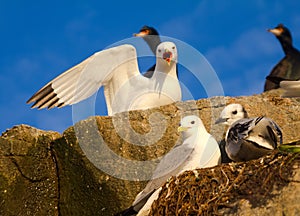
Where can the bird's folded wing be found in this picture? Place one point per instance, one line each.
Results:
(170, 165)
(211, 154)
(265, 132)
(291, 88)
(240, 129)
(276, 130)
(84, 79)
(281, 69)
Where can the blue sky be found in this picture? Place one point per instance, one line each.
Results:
(41, 39)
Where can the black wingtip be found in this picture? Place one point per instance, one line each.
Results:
(44, 98)
(41, 93)
(61, 105)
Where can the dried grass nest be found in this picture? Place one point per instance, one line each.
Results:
(214, 191)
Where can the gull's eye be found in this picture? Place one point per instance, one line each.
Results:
(159, 50)
(234, 112)
(173, 47)
(192, 122)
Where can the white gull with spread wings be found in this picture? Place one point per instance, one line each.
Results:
(124, 86)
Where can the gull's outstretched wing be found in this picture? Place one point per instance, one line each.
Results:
(84, 79)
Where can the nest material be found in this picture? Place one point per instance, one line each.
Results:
(216, 191)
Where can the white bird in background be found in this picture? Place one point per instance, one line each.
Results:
(291, 88)
(124, 87)
(198, 150)
(248, 138)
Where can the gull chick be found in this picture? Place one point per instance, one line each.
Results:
(198, 150)
(248, 138)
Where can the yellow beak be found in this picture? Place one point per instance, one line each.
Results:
(181, 128)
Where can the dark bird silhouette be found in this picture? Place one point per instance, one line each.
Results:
(151, 36)
(288, 68)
